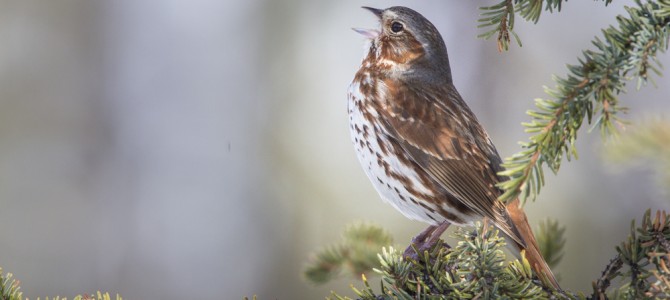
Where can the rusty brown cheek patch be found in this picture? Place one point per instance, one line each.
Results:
(401, 50)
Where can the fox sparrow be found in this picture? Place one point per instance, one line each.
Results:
(419, 143)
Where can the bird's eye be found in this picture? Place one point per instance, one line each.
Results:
(397, 27)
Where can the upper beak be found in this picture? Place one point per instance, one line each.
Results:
(378, 12)
(370, 33)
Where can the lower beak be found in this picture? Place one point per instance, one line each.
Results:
(368, 33)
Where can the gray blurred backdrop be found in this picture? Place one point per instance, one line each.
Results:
(200, 149)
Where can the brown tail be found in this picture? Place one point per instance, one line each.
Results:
(533, 253)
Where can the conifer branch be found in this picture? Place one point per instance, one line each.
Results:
(356, 253)
(9, 287)
(476, 268)
(641, 262)
(603, 283)
(10, 290)
(499, 18)
(550, 238)
(589, 92)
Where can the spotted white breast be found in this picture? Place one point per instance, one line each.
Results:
(395, 180)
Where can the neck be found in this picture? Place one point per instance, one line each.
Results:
(409, 60)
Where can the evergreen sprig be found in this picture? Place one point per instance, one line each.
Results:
(589, 92)
(641, 262)
(474, 269)
(499, 18)
(550, 238)
(357, 253)
(10, 289)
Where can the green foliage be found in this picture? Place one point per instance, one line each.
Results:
(550, 238)
(97, 296)
(499, 18)
(10, 290)
(357, 252)
(475, 269)
(648, 141)
(589, 92)
(9, 287)
(641, 263)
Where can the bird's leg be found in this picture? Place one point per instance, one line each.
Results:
(417, 241)
(435, 236)
(426, 239)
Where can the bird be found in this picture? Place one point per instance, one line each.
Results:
(419, 143)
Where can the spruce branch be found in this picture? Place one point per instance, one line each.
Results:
(96, 296)
(499, 18)
(589, 92)
(10, 290)
(9, 287)
(603, 283)
(356, 253)
(475, 268)
(641, 262)
(550, 238)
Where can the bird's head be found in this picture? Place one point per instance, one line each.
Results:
(404, 39)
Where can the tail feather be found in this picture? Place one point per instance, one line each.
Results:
(531, 248)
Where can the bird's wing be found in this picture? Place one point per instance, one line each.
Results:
(441, 135)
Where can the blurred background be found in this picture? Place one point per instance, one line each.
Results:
(200, 149)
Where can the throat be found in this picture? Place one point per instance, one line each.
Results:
(401, 52)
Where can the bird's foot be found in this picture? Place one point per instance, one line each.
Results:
(415, 249)
(425, 240)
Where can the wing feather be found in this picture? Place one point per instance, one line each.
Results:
(443, 137)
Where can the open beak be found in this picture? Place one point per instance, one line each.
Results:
(370, 33)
